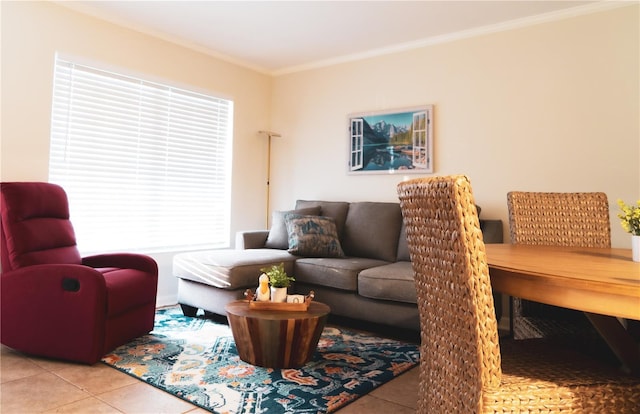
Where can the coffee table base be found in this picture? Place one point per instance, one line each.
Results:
(275, 339)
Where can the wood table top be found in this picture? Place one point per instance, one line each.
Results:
(604, 281)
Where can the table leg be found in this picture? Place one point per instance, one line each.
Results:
(621, 343)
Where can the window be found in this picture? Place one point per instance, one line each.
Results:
(147, 167)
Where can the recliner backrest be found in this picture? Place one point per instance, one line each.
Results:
(35, 226)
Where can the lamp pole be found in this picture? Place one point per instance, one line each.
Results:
(269, 135)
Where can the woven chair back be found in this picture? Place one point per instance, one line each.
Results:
(460, 353)
(559, 219)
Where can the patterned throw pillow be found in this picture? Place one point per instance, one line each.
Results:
(313, 236)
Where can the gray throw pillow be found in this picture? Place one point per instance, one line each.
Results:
(278, 237)
(313, 236)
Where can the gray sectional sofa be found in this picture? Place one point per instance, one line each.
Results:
(372, 281)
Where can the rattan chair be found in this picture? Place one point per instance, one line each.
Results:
(556, 219)
(463, 366)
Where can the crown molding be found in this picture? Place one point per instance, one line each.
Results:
(596, 7)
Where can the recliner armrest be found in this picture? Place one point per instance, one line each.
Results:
(122, 261)
(46, 307)
(39, 283)
(251, 239)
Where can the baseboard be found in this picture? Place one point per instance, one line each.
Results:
(166, 300)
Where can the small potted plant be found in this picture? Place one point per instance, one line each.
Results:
(630, 220)
(279, 281)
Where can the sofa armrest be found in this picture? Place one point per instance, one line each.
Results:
(251, 239)
(492, 231)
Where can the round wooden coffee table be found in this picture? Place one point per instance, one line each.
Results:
(275, 338)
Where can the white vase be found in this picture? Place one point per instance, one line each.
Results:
(635, 248)
(278, 294)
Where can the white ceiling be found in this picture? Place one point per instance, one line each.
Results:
(284, 36)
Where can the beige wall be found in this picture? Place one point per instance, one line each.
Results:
(32, 32)
(550, 107)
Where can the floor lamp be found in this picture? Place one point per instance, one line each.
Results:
(269, 135)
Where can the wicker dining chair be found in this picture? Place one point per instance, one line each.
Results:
(463, 366)
(556, 219)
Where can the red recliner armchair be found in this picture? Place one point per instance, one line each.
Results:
(53, 302)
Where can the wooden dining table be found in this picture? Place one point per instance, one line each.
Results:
(604, 283)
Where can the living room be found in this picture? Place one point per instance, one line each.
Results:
(550, 105)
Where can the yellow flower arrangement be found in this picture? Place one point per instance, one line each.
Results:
(630, 217)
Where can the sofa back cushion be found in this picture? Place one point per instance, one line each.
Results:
(403, 246)
(337, 210)
(372, 230)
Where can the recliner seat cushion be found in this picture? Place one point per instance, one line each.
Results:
(127, 289)
(229, 269)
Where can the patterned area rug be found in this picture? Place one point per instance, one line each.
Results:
(196, 360)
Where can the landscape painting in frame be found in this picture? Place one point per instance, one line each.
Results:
(388, 142)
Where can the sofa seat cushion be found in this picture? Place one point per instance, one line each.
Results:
(336, 273)
(229, 269)
(392, 282)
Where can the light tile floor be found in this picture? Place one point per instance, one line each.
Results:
(36, 385)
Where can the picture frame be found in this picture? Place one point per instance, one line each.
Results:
(391, 141)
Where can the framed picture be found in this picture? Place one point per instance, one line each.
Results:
(387, 142)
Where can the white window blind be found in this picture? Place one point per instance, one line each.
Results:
(147, 167)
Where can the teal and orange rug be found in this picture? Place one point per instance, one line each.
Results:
(196, 360)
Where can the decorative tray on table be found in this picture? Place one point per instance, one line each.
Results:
(278, 306)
